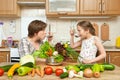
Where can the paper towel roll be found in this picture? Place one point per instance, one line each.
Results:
(2, 35)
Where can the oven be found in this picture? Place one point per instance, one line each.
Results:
(14, 55)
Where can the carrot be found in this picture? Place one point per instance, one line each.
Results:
(38, 71)
(33, 72)
(42, 72)
(29, 73)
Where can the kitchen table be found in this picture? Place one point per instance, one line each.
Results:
(106, 75)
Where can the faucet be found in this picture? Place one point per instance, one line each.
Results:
(105, 41)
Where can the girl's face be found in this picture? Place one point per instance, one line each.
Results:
(81, 32)
(41, 35)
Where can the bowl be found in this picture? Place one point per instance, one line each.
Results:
(51, 61)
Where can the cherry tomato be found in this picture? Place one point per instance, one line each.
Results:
(1, 71)
(58, 72)
(48, 70)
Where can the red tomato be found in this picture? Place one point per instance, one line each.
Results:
(1, 71)
(48, 70)
(58, 72)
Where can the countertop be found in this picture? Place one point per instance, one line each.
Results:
(107, 48)
(4, 49)
(106, 75)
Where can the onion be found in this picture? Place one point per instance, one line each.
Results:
(96, 74)
(88, 73)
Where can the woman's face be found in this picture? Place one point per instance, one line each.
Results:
(81, 32)
(41, 34)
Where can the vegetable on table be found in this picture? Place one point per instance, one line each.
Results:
(42, 72)
(108, 66)
(28, 64)
(6, 67)
(45, 50)
(64, 75)
(37, 70)
(72, 67)
(1, 71)
(48, 70)
(72, 74)
(58, 72)
(26, 59)
(12, 69)
(88, 73)
(23, 70)
(33, 72)
(96, 70)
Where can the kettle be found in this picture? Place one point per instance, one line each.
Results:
(118, 42)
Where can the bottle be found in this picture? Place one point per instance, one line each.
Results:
(9, 41)
(118, 42)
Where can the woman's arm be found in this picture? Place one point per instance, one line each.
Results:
(102, 53)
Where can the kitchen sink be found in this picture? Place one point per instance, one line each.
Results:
(109, 47)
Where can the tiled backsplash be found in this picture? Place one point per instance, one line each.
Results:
(60, 27)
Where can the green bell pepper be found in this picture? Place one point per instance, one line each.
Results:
(23, 70)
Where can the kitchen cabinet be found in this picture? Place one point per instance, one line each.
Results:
(4, 56)
(99, 7)
(82, 8)
(113, 57)
(56, 8)
(9, 8)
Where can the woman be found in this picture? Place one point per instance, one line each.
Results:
(36, 34)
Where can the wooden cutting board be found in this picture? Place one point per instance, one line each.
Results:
(105, 32)
(96, 28)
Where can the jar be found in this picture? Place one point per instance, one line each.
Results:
(9, 41)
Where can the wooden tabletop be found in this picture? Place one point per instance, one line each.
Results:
(106, 75)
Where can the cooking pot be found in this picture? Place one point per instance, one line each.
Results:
(51, 61)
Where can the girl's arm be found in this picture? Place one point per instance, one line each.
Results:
(72, 43)
(102, 53)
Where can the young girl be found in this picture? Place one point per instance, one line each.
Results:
(36, 34)
(89, 43)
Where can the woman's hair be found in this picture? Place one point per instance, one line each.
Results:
(36, 26)
(86, 25)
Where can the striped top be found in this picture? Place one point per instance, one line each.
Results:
(25, 47)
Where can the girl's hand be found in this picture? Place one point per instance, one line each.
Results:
(85, 61)
(72, 32)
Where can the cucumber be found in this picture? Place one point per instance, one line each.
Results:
(6, 67)
(84, 66)
(29, 64)
(108, 66)
(64, 75)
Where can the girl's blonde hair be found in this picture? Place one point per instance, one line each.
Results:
(86, 25)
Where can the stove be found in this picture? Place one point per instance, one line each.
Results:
(14, 55)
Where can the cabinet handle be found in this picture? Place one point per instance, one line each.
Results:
(7, 58)
(103, 4)
(62, 13)
(100, 7)
(108, 58)
(105, 59)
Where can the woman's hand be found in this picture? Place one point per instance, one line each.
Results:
(50, 36)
